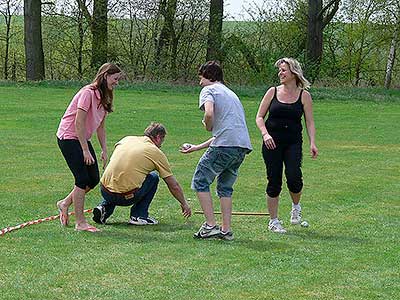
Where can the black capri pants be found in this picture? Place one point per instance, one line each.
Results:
(85, 175)
(289, 154)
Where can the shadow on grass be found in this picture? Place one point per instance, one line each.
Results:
(263, 245)
(315, 235)
(153, 228)
(148, 233)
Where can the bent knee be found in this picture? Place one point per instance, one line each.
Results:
(295, 186)
(273, 190)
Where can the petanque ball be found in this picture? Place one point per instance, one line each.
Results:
(304, 224)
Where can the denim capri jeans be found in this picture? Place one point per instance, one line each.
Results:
(220, 162)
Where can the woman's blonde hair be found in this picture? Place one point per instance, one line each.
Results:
(100, 83)
(295, 68)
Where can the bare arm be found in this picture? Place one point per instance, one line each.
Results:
(208, 119)
(177, 192)
(80, 127)
(308, 114)
(261, 113)
(101, 136)
(188, 148)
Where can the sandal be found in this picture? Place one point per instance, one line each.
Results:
(64, 219)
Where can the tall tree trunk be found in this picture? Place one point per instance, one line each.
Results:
(167, 35)
(314, 39)
(359, 60)
(160, 13)
(99, 33)
(215, 30)
(7, 17)
(98, 26)
(33, 40)
(7, 51)
(391, 59)
(81, 34)
(14, 69)
(318, 18)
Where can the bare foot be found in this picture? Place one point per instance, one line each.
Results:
(63, 210)
(86, 227)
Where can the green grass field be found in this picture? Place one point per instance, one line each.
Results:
(350, 250)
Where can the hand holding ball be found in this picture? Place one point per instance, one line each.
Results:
(186, 146)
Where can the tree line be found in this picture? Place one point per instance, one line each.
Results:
(351, 42)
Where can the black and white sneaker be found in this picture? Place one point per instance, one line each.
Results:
(206, 231)
(228, 236)
(142, 221)
(99, 213)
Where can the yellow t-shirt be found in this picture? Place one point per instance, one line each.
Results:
(134, 157)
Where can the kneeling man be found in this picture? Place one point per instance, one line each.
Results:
(130, 178)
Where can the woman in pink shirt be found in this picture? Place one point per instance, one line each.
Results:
(85, 115)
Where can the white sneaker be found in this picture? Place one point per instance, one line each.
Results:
(276, 227)
(142, 221)
(295, 216)
(206, 231)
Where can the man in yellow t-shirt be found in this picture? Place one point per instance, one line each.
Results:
(130, 178)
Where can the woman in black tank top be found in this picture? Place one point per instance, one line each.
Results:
(282, 137)
(284, 120)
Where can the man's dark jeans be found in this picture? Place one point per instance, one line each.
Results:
(140, 201)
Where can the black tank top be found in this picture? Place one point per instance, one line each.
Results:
(284, 120)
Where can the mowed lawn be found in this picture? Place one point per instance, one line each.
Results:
(351, 200)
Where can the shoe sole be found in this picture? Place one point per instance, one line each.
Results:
(226, 238)
(97, 216)
(197, 236)
(141, 224)
(277, 231)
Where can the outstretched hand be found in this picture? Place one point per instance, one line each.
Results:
(186, 210)
(187, 148)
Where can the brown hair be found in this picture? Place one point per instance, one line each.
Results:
(100, 83)
(212, 71)
(155, 129)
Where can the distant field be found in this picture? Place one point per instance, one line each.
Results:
(350, 250)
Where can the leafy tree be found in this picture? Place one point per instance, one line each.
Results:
(98, 24)
(8, 9)
(191, 37)
(167, 41)
(364, 36)
(318, 17)
(275, 30)
(393, 13)
(135, 29)
(65, 36)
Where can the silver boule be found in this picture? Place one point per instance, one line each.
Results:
(304, 224)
